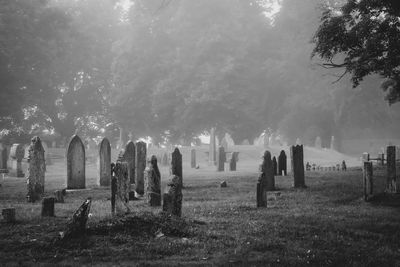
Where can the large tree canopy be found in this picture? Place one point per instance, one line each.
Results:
(363, 37)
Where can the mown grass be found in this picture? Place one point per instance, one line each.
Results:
(326, 224)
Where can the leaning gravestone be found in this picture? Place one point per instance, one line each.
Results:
(318, 142)
(282, 163)
(297, 159)
(193, 158)
(275, 165)
(129, 156)
(17, 154)
(176, 164)
(172, 198)
(268, 171)
(221, 159)
(36, 170)
(391, 183)
(3, 157)
(234, 159)
(153, 183)
(140, 164)
(105, 163)
(76, 164)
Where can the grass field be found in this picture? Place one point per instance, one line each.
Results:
(325, 224)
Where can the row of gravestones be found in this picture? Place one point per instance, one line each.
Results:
(266, 179)
(337, 167)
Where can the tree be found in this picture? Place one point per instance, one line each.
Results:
(363, 37)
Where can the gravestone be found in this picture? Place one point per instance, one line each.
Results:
(76, 226)
(3, 157)
(391, 183)
(8, 215)
(129, 156)
(140, 164)
(48, 207)
(221, 159)
(121, 187)
(265, 180)
(318, 142)
(224, 144)
(76, 164)
(212, 151)
(176, 164)
(282, 163)
(232, 162)
(368, 180)
(36, 170)
(275, 165)
(172, 198)
(153, 183)
(268, 171)
(297, 160)
(17, 154)
(193, 158)
(104, 163)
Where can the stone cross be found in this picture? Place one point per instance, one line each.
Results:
(17, 154)
(129, 156)
(105, 163)
(297, 160)
(36, 170)
(176, 164)
(221, 159)
(76, 164)
(212, 152)
(153, 183)
(282, 163)
(140, 165)
(193, 158)
(172, 198)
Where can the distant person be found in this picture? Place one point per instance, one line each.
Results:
(344, 167)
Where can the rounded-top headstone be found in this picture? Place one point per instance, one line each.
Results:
(76, 164)
(105, 162)
(17, 152)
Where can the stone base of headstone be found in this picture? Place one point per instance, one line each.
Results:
(59, 196)
(154, 199)
(48, 207)
(8, 215)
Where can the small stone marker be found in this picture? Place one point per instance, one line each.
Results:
(391, 183)
(36, 170)
(17, 154)
(172, 198)
(221, 159)
(140, 163)
(129, 156)
(59, 196)
(104, 163)
(153, 183)
(48, 207)
(193, 158)
(176, 164)
(76, 164)
(122, 186)
(232, 162)
(8, 215)
(282, 163)
(212, 152)
(223, 184)
(275, 165)
(297, 159)
(368, 180)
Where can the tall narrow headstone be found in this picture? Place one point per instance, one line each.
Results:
(391, 183)
(17, 154)
(140, 165)
(275, 165)
(297, 160)
(318, 142)
(268, 171)
(122, 186)
(212, 152)
(76, 164)
(36, 170)
(193, 158)
(368, 180)
(264, 182)
(232, 162)
(3, 157)
(221, 159)
(153, 183)
(105, 163)
(129, 156)
(176, 164)
(282, 163)
(172, 198)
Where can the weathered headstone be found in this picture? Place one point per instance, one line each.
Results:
(153, 183)
(105, 163)
(176, 164)
(172, 198)
(318, 142)
(48, 207)
(266, 180)
(3, 157)
(368, 180)
(193, 158)
(76, 164)
(221, 159)
(129, 156)
(282, 163)
(275, 165)
(140, 164)
(391, 183)
(122, 187)
(212, 151)
(232, 162)
(36, 170)
(77, 225)
(297, 160)
(17, 154)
